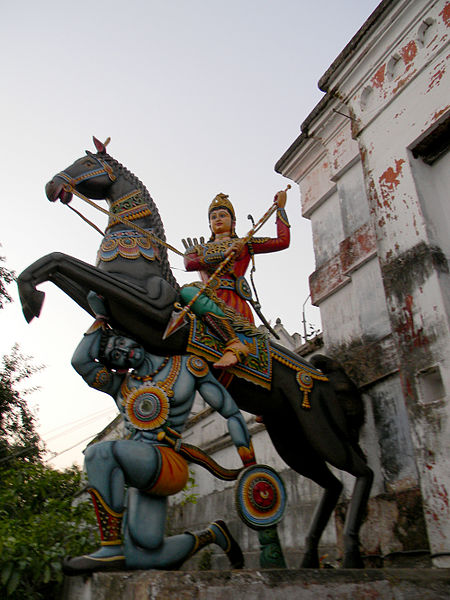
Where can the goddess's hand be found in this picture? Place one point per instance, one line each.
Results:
(235, 249)
(280, 199)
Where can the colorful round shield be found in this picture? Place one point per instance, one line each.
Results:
(260, 496)
(148, 407)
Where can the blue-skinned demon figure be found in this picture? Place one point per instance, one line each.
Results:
(130, 479)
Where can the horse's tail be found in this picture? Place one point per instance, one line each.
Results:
(346, 392)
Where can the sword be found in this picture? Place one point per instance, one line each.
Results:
(257, 308)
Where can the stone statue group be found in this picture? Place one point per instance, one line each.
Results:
(153, 347)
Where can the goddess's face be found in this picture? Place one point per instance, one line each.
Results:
(220, 221)
(123, 353)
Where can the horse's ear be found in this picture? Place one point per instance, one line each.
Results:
(99, 145)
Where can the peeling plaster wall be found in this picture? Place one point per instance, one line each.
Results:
(407, 98)
(359, 308)
(381, 228)
(327, 230)
(352, 197)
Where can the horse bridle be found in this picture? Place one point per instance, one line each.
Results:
(70, 186)
(72, 182)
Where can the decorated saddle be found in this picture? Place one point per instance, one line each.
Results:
(257, 367)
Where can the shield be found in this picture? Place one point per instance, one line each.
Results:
(260, 497)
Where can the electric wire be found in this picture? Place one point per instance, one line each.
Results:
(80, 423)
(26, 448)
(98, 413)
(54, 455)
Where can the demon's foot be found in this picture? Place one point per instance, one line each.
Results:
(231, 547)
(91, 563)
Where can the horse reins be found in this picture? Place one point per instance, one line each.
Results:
(69, 186)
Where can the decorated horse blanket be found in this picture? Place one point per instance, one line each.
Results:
(257, 367)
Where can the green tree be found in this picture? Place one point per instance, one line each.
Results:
(39, 525)
(39, 522)
(18, 435)
(6, 277)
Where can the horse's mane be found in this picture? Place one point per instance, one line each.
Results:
(157, 224)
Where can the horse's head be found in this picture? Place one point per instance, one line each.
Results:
(92, 175)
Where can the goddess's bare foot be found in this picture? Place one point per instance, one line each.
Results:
(229, 359)
(234, 353)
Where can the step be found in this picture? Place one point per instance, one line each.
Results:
(288, 584)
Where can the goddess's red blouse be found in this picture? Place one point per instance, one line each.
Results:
(205, 259)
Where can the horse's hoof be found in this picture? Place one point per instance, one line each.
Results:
(84, 565)
(30, 298)
(353, 560)
(33, 305)
(310, 561)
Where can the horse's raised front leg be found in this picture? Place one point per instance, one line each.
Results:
(31, 298)
(72, 276)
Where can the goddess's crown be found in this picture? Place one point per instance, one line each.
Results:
(221, 201)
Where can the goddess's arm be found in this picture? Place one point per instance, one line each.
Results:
(281, 242)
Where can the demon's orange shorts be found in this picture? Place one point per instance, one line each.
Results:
(173, 475)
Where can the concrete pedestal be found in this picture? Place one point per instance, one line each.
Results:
(289, 584)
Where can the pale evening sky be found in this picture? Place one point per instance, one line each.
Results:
(199, 97)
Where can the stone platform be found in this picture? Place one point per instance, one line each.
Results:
(289, 584)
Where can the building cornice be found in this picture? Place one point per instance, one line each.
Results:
(355, 43)
(351, 75)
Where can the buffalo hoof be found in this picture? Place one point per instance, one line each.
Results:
(84, 565)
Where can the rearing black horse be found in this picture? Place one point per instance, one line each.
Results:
(134, 278)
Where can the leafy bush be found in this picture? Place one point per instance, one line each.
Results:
(6, 277)
(39, 525)
(18, 435)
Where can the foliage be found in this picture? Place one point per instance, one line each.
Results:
(18, 435)
(38, 526)
(6, 277)
(205, 560)
(188, 495)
